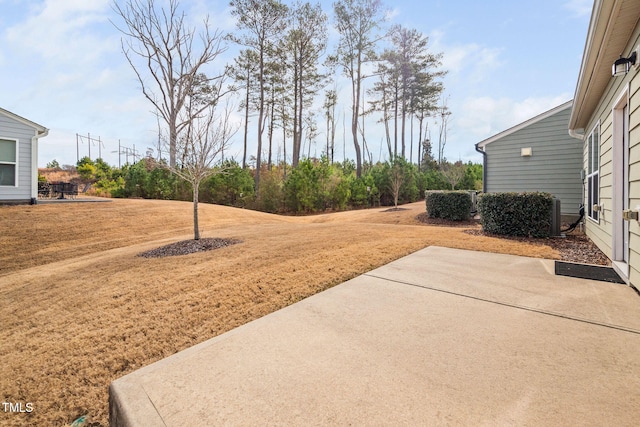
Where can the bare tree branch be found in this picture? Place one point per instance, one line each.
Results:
(160, 38)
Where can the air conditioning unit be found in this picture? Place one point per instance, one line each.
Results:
(474, 201)
(556, 218)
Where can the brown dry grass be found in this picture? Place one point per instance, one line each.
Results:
(79, 309)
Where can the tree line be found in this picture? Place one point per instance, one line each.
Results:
(283, 65)
(315, 185)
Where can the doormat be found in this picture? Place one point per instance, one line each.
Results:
(584, 271)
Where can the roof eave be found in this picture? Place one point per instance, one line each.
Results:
(611, 25)
(40, 130)
(525, 124)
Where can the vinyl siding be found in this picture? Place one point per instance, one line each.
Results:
(13, 129)
(554, 166)
(602, 233)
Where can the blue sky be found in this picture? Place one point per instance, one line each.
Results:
(61, 66)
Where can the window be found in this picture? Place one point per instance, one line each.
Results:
(8, 159)
(593, 173)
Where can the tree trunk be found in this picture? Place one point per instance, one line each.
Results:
(284, 137)
(300, 102)
(403, 129)
(260, 122)
(420, 143)
(296, 142)
(246, 126)
(395, 123)
(354, 120)
(271, 121)
(196, 229)
(411, 149)
(333, 131)
(173, 136)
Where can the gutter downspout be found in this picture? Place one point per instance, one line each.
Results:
(573, 133)
(484, 168)
(34, 164)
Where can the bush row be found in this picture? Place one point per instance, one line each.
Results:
(315, 185)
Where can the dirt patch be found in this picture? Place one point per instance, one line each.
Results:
(80, 309)
(186, 247)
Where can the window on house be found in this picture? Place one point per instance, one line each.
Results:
(8, 158)
(593, 173)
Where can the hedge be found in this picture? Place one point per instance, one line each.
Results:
(451, 205)
(516, 214)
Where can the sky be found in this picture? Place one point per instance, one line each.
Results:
(62, 66)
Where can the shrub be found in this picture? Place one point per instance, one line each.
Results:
(516, 214)
(301, 188)
(451, 205)
(232, 187)
(338, 191)
(270, 197)
(109, 187)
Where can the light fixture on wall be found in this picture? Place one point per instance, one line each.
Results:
(526, 152)
(623, 65)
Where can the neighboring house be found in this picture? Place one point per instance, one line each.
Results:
(19, 158)
(537, 155)
(606, 118)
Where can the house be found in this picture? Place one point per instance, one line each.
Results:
(19, 158)
(537, 155)
(606, 118)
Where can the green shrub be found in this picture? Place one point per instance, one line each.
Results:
(516, 214)
(338, 191)
(270, 196)
(232, 187)
(301, 188)
(451, 205)
(109, 187)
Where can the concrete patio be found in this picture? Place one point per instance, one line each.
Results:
(440, 337)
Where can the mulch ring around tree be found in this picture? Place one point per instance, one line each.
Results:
(394, 210)
(186, 247)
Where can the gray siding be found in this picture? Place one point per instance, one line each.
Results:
(13, 129)
(554, 166)
(602, 232)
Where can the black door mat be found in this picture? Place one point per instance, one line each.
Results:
(584, 271)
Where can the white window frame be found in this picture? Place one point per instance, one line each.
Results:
(15, 182)
(593, 174)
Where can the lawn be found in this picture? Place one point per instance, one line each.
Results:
(80, 309)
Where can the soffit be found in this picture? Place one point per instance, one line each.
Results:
(612, 25)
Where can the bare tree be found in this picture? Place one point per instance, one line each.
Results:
(406, 85)
(167, 57)
(357, 21)
(243, 72)
(330, 102)
(443, 114)
(453, 172)
(306, 40)
(199, 146)
(263, 22)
